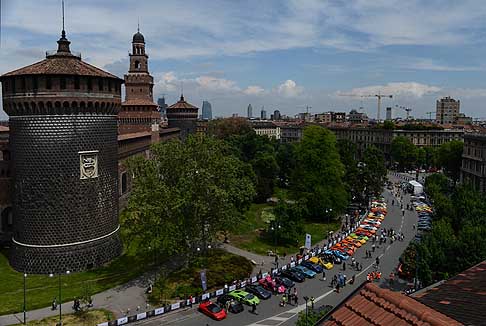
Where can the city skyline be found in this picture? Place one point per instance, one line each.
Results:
(281, 55)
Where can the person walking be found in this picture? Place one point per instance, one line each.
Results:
(253, 308)
(323, 275)
(377, 261)
(344, 265)
(373, 248)
(312, 302)
(54, 304)
(296, 299)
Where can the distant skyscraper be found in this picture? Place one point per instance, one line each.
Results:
(207, 111)
(388, 113)
(263, 114)
(249, 111)
(162, 105)
(277, 115)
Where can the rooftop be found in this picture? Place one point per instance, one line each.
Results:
(462, 297)
(62, 62)
(182, 104)
(372, 305)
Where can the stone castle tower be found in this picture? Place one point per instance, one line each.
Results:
(63, 140)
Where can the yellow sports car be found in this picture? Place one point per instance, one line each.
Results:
(320, 261)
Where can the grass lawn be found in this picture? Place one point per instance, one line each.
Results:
(41, 289)
(91, 318)
(250, 234)
(221, 268)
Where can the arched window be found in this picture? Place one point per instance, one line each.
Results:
(137, 65)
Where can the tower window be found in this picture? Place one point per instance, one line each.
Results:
(76, 82)
(62, 83)
(35, 83)
(137, 64)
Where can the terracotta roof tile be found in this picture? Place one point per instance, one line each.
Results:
(182, 104)
(462, 297)
(381, 307)
(61, 65)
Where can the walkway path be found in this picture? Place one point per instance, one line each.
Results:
(131, 296)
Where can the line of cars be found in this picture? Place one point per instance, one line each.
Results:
(367, 228)
(424, 223)
(286, 278)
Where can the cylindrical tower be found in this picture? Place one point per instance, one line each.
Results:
(63, 140)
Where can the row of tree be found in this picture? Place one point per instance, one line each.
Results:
(408, 156)
(458, 237)
(189, 191)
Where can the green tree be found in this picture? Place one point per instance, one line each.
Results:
(319, 172)
(285, 157)
(224, 128)
(373, 175)
(259, 152)
(431, 156)
(388, 125)
(404, 152)
(450, 158)
(347, 153)
(186, 193)
(421, 157)
(288, 225)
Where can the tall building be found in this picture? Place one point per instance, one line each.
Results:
(63, 146)
(263, 114)
(249, 111)
(389, 112)
(277, 115)
(162, 106)
(139, 112)
(207, 111)
(473, 169)
(447, 110)
(183, 115)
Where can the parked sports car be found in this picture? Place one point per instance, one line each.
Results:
(259, 291)
(324, 263)
(313, 267)
(293, 275)
(244, 297)
(284, 281)
(234, 305)
(212, 310)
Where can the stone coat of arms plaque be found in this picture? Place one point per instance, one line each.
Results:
(88, 163)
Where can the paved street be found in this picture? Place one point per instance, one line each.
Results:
(269, 311)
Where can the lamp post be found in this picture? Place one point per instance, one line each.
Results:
(60, 295)
(25, 313)
(306, 298)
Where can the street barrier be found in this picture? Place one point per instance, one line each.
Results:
(206, 296)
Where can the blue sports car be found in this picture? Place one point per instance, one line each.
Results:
(304, 270)
(314, 267)
(340, 255)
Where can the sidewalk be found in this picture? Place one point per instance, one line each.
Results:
(117, 300)
(132, 294)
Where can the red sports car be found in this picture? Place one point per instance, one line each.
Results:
(212, 310)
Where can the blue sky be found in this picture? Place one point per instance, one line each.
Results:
(278, 54)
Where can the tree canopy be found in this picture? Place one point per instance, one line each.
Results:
(404, 152)
(319, 172)
(185, 193)
(450, 158)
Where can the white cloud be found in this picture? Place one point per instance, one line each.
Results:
(254, 90)
(402, 88)
(433, 65)
(215, 84)
(289, 88)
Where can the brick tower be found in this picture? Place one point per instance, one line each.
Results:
(139, 112)
(63, 140)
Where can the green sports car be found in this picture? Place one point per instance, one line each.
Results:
(244, 297)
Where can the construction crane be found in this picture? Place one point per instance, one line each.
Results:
(379, 96)
(408, 110)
